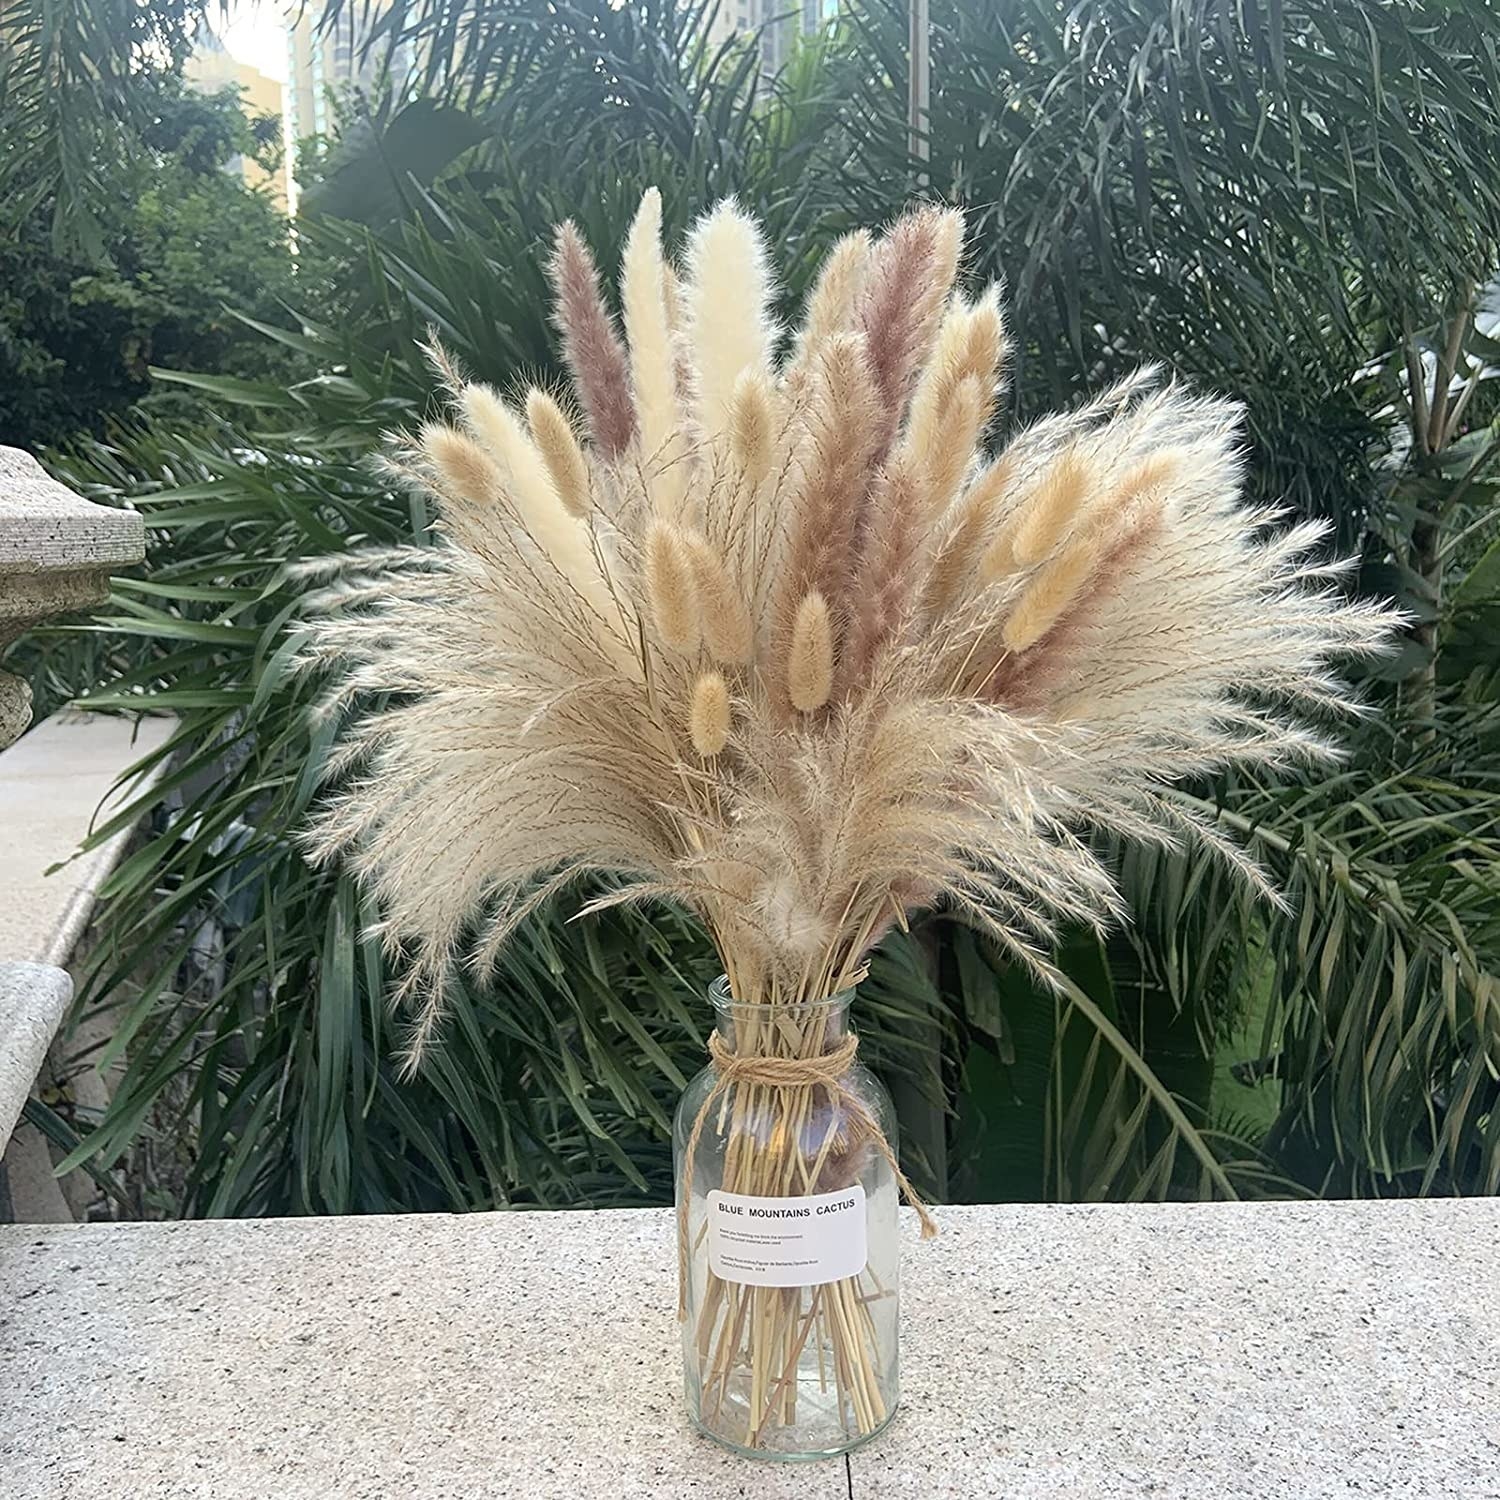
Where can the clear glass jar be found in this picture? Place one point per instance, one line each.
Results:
(791, 1261)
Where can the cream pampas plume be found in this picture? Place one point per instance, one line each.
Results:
(671, 588)
(461, 468)
(728, 295)
(563, 542)
(644, 288)
(750, 434)
(960, 548)
(970, 347)
(781, 643)
(832, 306)
(727, 628)
(1046, 517)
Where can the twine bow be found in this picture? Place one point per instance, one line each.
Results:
(827, 1070)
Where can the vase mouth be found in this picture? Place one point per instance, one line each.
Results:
(723, 1001)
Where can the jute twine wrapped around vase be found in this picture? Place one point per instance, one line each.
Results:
(786, 1076)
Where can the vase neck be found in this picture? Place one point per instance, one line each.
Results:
(780, 1028)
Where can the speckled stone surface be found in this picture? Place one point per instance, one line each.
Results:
(411, 1358)
(1224, 1351)
(56, 553)
(1298, 1350)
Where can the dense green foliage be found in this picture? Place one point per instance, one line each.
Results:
(1296, 207)
(177, 248)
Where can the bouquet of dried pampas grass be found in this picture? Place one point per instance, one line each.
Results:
(758, 624)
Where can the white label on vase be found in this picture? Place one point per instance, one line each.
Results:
(787, 1241)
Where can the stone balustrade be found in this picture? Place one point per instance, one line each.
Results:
(64, 777)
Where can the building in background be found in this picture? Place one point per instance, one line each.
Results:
(321, 62)
(779, 22)
(210, 69)
(324, 62)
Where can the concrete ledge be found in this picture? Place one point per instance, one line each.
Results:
(55, 784)
(46, 529)
(33, 1001)
(1236, 1350)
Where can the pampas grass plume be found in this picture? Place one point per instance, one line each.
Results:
(1148, 480)
(1051, 592)
(725, 618)
(781, 641)
(750, 435)
(835, 296)
(911, 272)
(464, 469)
(969, 348)
(671, 587)
(963, 550)
(1044, 518)
(1108, 521)
(591, 346)
(532, 493)
(726, 308)
(499, 429)
(1052, 508)
(987, 342)
(653, 369)
(955, 433)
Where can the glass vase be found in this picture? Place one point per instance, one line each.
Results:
(787, 1208)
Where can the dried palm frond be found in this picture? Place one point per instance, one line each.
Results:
(781, 643)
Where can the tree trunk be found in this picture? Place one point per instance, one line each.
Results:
(1434, 425)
